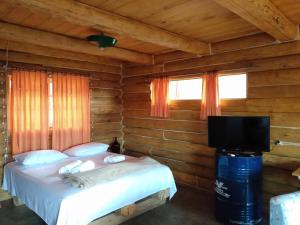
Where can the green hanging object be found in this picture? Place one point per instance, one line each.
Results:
(102, 40)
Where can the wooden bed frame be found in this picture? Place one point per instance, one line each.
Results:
(127, 212)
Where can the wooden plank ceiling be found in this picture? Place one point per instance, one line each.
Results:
(199, 21)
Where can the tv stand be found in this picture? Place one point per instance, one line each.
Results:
(238, 187)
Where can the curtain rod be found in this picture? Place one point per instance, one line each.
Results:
(189, 74)
(45, 68)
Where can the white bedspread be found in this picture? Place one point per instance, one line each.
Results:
(42, 190)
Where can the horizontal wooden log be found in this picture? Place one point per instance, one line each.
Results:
(106, 126)
(97, 134)
(104, 140)
(57, 63)
(100, 92)
(192, 137)
(177, 125)
(142, 70)
(285, 150)
(106, 77)
(142, 88)
(282, 162)
(46, 39)
(106, 101)
(273, 78)
(105, 84)
(188, 168)
(54, 53)
(137, 105)
(185, 114)
(276, 50)
(105, 109)
(171, 145)
(136, 97)
(151, 150)
(277, 189)
(185, 105)
(278, 105)
(246, 42)
(277, 175)
(266, 64)
(184, 178)
(285, 134)
(137, 79)
(181, 167)
(282, 91)
(174, 114)
(144, 132)
(106, 118)
(172, 56)
(136, 113)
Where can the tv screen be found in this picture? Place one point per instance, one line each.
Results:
(250, 133)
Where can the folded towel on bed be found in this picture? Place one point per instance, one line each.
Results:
(114, 158)
(77, 167)
(67, 168)
(83, 167)
(110, 172)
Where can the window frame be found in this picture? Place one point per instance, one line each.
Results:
(183, 79)
(222, 74)
(233, 74)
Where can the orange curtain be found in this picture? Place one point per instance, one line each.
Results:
(210, 105)
(28, 110)
(160, 97)
(71, 110)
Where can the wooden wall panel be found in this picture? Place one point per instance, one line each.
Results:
(180, 141)
(106, 104)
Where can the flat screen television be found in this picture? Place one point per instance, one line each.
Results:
(239, 133)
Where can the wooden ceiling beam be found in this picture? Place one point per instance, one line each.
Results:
(264, 15)
(85, 15)
(232, 45)
(26, 35)
(50, 52)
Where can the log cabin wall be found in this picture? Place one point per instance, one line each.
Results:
(106, 107)
(105, 98)
(273, 85)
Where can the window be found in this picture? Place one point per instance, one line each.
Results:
(233, 86)
(35, 100)
(185, 89)
(230, 87)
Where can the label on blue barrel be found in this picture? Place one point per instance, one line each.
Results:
(221, 189)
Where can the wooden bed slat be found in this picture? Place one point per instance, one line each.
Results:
(133, 210)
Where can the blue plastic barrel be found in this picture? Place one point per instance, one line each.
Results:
(238, 189)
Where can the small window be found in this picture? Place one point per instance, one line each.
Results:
(233, 86)
(185, 89)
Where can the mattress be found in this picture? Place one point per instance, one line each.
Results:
(42, 190)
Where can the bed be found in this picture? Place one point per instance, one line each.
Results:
(42, 189)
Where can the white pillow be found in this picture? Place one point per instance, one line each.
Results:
(39, 157)
(87, 149)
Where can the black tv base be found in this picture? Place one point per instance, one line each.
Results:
(238, 187)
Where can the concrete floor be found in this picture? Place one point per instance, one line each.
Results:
(188, 207)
